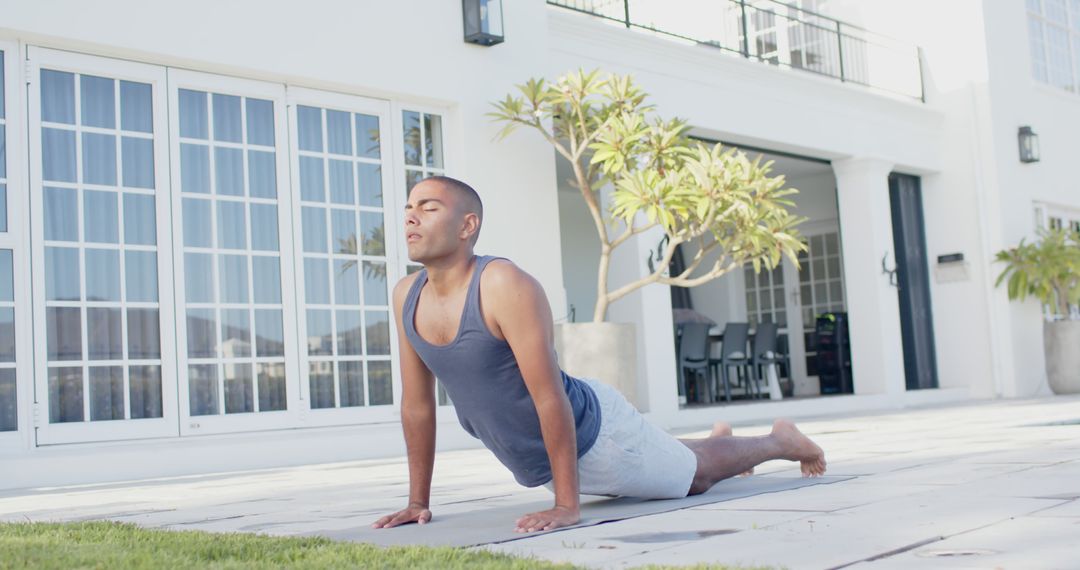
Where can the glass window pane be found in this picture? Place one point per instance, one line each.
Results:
(2, 99)
(309, 123)
(375, 283)
(836, 292)
(833, 265)
(61, 214)
(7, 335)
(412, 178)
(65, 395)
(314, 222)
(103, 334)
(818, 267)
(312, 184)
(203, 389)
(228, 171)
(57, 96)
(144, 334)
(831, 245)
(346, 283)
(102, 275)
(7, 281)
(106, 393)
(380, 387)
(349, 334)
(371, 225)
(235, 333)
(266, 279)
(138, 159)
(231, 228)
(201, 333)
(433, 151)
(145, 383)
(411, 130)
(3, 208)
(197, 228)
(3, 147)
(64, 333)
(62, 274)
(370, 182)
(319, 334)
(195, 168)
(9, 416)
(367, 136)
(316, 282)
(239, 396)
(99, 159)
(98, 96)
(262, 174)
(193, 115)
(136, 107)
(378, 332)
(338, 132)
(341, 182)
(321, 381)
(343, 238)
(269, 334)
(140, 220)
(351, 382)
(260, 121)
(264, 227)
(199, 277)
(100, 217)
(141, 276)
(227, 118)
(234, 282)
(58, 155)
(271, 386)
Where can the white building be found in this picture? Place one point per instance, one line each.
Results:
(182, 187)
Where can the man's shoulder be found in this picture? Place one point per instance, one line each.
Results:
(501, 273)
(401, 288)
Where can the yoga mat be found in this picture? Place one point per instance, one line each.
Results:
(496, 525)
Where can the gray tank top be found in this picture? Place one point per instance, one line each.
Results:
(483, 380)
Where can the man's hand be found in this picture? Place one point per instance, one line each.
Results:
(548, 520)
(414, 513)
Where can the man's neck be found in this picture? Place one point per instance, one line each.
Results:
(450, 275)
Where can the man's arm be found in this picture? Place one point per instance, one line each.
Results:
(520, 307)
(417, 421)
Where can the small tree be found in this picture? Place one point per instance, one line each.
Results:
(1048, 269)
(718, 201)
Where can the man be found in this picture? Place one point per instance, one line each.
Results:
(484, 327)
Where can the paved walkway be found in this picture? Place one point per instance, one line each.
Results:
(990, 485)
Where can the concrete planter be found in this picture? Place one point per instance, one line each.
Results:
(1061, 341)
(602, 351)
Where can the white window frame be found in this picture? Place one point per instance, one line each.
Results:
(253, 421)
(16, 239)
(393, 203)
(1072, 35)
(86, 431)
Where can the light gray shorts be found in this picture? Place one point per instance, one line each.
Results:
(632, 457)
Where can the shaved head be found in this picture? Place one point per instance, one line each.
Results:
(468, 200)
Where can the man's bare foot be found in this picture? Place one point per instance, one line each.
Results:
(723, 429)
(797, 447)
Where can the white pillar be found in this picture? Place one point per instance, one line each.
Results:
(877, 352)
(649, 308)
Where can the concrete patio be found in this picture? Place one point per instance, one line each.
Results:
(986, 485)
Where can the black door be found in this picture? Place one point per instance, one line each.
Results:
(913, 276)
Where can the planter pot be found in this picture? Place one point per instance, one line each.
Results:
(1061, 340)
(602, 351)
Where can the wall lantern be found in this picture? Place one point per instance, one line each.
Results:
(1029, 145)
(483, 21)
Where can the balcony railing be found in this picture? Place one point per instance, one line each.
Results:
(775, 33)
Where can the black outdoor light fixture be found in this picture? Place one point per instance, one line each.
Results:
(483, 21)
(1029, 145)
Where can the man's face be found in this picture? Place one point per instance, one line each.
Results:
(435, 225)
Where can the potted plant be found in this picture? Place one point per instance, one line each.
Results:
(723, 208)
(1049, 270)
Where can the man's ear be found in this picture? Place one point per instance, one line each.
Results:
(471, 225)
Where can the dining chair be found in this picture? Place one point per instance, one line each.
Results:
(732, 354)
(764, 353)
(694, 357)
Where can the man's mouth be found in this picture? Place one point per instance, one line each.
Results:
(412, 236)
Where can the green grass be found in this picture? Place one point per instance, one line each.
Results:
(109, 545)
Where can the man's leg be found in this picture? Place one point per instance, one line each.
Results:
(721, 455)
